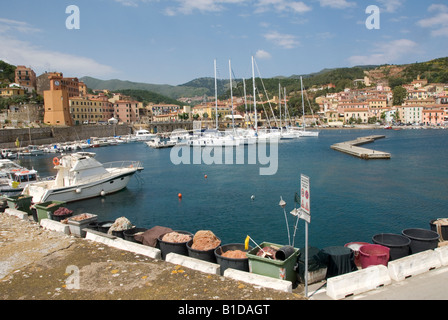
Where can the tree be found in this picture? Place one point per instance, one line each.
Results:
(400, 94)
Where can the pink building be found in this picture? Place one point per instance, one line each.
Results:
(433, 116)
(126, 111)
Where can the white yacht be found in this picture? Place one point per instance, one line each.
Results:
(144, 135)
(80, 176)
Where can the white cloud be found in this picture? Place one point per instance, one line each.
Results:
(133, 3)
(287, 41)
(390, 52)
(337, 4)
(261, 54)
(8, 26)
(23, 53)
(203, 6)
(281, 6)
(439, 22)
(390, 5)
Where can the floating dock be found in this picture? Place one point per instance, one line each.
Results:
(352, 148)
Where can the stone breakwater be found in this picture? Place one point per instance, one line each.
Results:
(37, 264)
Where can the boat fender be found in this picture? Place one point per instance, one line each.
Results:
(78, 190)
(56, 161)
(103, 193)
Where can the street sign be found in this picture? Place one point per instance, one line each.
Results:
(305, 193)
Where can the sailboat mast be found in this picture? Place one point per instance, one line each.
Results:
(303, 105)
(216, 100)
(280, 103)
(245, 101)
(231, 94)
(255, 100)
(284, 96)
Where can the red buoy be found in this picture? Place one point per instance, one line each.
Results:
(180, 195)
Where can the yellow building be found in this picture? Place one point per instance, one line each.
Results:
(85, 110)
(56, 101)
(11, 91)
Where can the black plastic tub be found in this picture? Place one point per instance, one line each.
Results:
(129, 234)
(173, 247)
(443, 229)
(206, 255)
(93, 225)
(233, 263)
(421, 239)
(398, 244)
(104, 226)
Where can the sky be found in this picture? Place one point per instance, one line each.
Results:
(175, 41)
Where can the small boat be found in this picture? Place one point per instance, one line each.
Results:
(31, 150)
(156, 143)
(14, 178)
(8, 154)
(80, 176)
(144, 135)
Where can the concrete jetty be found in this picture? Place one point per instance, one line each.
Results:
(352, 148)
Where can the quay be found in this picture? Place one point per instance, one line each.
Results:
(352, 148)
(42, 262)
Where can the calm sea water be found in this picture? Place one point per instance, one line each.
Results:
(351, 199)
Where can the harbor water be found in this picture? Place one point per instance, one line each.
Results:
(351, 199)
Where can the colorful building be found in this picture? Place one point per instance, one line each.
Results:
(56, 101)
(26, 78)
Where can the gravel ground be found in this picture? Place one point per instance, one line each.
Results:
(37, 264)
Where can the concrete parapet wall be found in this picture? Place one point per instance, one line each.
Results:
(358, 282)
(413, 265)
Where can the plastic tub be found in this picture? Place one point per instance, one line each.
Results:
(443, 231)
(104, 226)
(355, 247)
(129, 234)
(373, 255)
(421, 239)
(233, 263)
(206, 255)
(173, 247)
(398, 244)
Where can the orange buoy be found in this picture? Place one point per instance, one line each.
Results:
(180, 195)
(205, 176)
(56, 161)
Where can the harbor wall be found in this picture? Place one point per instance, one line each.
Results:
(50, 135)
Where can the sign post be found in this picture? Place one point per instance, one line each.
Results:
(305, 215)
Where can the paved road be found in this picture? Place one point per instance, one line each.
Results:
(432, 285)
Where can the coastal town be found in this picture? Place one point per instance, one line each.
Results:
(52, 99)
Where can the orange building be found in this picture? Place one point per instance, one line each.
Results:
(26, 78)
(56, 101)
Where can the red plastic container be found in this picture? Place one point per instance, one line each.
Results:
(373, 255)
(355, 247)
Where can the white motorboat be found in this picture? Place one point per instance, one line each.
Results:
(156, 143)
(14, 178)
(144, 135)
(8, 154)
(31, 150)
(80, 176)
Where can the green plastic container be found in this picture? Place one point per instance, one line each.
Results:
(279, 269)
(46, 212)
(20, 202)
